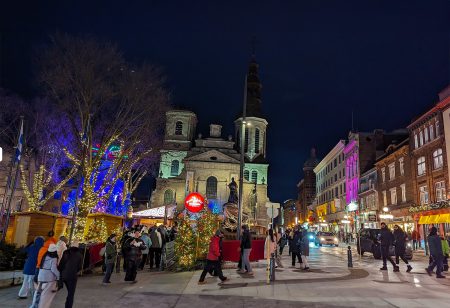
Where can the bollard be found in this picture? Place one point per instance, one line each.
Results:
(349, 256)
(272, 267)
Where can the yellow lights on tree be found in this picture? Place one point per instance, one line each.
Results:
(185, 245)
(206, 227)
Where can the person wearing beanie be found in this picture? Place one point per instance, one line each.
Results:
(434, 242)
(213, 259)
(29, 268)
(110, 257)
(69, 267)
(47, 279)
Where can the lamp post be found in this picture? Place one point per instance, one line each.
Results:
(242, 162)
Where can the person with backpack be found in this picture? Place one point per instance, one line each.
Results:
(29, 269)
(47, 279)
(110, 257)
(69, 267)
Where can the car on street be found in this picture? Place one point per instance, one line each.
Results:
(326, 238)
(368, 242)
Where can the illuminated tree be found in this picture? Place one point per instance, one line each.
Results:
(97, 231)
(185, 245)
(206, 226)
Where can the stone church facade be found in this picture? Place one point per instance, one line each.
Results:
(208, 164)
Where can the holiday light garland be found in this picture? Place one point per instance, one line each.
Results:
(206, 227)
(97, 232)
(185, 245)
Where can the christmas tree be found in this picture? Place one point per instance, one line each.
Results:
(206, 227)
(97, 232)
(185, 245)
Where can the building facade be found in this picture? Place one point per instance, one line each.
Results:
(209, 164)
(307, 188)
(395, 186)
(330, 188)
(430, 170)
(368, 199)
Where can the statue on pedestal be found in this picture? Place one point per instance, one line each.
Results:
(233, 198)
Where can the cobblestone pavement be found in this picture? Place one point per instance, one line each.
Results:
(329, 283)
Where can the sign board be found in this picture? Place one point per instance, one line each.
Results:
(353, 206)
(272, 214)
(275, 205)
(194, 202)
(372, 217)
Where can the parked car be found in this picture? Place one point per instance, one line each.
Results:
(368, 242)
(326, 238)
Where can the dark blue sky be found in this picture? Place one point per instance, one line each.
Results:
(386, 60)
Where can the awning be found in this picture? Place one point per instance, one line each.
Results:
(443, 218)
(156, 212)
(434, 219)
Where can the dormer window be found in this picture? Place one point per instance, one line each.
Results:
(179, 128)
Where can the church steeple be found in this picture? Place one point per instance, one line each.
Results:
(253, 90)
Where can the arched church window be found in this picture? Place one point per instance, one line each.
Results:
(168, 197)
(246, 175)
(254, 176)
(211, 188)
(256, 140)
(174, 168)
(179, 128)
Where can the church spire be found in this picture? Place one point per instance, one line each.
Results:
(253, 90)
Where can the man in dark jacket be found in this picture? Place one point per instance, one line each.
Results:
(434, 242)
(69, 266)
(386, 240)
(400, 238)
(246, 248)
(133, 252)
(296, 246)
(155, 250)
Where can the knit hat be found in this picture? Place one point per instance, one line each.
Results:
(52, 248)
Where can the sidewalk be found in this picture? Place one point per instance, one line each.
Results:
(10, 278)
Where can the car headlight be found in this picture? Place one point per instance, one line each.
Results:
(408, 245)
(335, 239)
(322, 239)
(311, 237)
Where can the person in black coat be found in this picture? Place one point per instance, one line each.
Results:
(386, 240)
(436, 252)
(296, 246)
(400, 238)
(133, 247)
(69, 266)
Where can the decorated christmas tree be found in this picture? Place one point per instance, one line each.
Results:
(97, 232)
(185, 245)
(206, 227)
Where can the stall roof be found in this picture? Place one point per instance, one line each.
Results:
(156, 212)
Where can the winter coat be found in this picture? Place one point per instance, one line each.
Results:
(156, 239)
(214, 249)
(44, 249)
(147, 241)
(70, 263)
(246, 241)
(283, 240)
(445, 247)
(110, 252)
(60, 248)
(296, 242)
(435, 245)
(49, 272)
(134, 252)
(400, 242)
(32, 255)
(304, 249)
(415, 235)
(269, 246)
(386, 237)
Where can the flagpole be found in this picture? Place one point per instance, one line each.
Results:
(17, 159)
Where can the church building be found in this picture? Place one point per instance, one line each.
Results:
(209, 164)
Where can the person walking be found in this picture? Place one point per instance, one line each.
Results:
(295, 246)
(304, 251)
(416, 239)
(290, 238)
(213, 263)
(47, 278)
(110, 257)
(282, 242)
(133, 248)
(400, 238)
(147, 242)
(386, 239)
(155, 249)
(445, 252)
(270, 248)
(69, 267)
(437, 255)
(246, 248)
(50, 240)
(29, 269)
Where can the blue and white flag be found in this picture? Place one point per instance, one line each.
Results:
(19, 145)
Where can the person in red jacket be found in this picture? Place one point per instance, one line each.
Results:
(213, 259)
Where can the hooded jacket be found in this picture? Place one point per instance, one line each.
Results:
(44, 248)
(400, 241)
(32, 255)
(48, 271)
(386, 237)
(70, 263)
(214, 249)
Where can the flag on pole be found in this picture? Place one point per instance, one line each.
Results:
(19, 147)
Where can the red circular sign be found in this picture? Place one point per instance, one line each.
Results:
(194, 202)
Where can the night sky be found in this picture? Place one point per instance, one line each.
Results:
(385, 60)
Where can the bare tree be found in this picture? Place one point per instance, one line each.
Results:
(106, 102)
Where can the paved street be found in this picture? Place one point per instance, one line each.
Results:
(329, 284)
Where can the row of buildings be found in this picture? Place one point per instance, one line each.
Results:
(399, 177)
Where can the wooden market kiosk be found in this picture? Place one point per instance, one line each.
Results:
(25, 226)
(154, 216)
